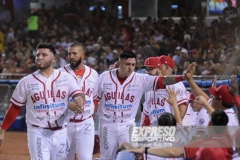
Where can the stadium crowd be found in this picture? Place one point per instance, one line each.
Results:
(214, 48)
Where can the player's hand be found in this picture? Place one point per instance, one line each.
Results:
(188, 75)
(1, 136)
(79, 100)
(171, 99)
(76, 109)
(233, 88)
(201, 100)
(214, 85)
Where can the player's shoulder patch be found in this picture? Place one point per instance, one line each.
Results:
(201, 121)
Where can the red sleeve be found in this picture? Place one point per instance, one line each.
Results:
(145, 120)
(237, 100)
(10, 116)
(95, 101)
(190, 152)
(159, 83)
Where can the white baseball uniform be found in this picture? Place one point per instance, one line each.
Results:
(118, 105)
(81, 127)
(155, 103)
(46, 101)
(232, 117)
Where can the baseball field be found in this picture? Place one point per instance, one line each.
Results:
(15, 146)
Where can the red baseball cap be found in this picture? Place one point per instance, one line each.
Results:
(167, 61)
(152, 62)
(222, 93)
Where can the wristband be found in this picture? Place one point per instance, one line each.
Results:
(179, 78)
(146, 150)
(237, 100)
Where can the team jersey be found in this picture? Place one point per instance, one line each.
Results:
(232, 118)
(88, 83)
(46, 99)
(155, 103)
(119, 103)
(190, 117)
(202, 118)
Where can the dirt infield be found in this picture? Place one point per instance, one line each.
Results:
(15, 147)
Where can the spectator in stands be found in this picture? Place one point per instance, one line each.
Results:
(33, 25)
(206, 69)
(177, 56)
(229, 12)
(158, 36)
(183, 59)
(189, 44)
(166, 48)
(9, 68)
(59, 61)
(146, 50)
(5, 15)
(97, 50)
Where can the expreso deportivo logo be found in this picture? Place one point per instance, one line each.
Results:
(151, 134)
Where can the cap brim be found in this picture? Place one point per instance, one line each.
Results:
(212, 91)
(150, 66)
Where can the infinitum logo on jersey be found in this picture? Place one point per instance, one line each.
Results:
(153, 136)
(49, 106)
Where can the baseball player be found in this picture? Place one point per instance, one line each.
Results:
(119, 94)
(45, 93)
(222, 99)
(155, 103)
(81, 126)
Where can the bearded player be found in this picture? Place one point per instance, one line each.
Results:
(81, 126)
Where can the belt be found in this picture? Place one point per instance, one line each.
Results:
(79, 120)
(52, 128)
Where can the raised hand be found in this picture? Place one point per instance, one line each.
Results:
(171, 99)
(201, 100)
(214, 85)
(188, 75)
(233, 88)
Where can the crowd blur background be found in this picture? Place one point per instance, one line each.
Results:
(106, 33)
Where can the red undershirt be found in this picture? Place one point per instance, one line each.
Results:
(79, 74)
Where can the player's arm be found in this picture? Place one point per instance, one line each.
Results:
(172, 100)
(9, 118)
(79, 101)
(234, 90)
(203, 101)
(168, 80)
(160, 152)
(182, 109)
(194, 87)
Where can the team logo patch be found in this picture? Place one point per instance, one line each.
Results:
(107, 85)
(180, 92)
(201, 121)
